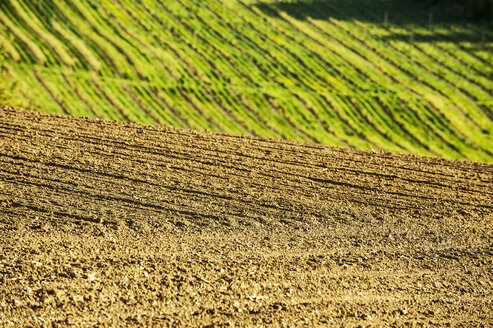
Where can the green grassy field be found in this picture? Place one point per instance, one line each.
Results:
(365, 73)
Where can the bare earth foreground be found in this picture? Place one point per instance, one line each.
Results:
(109, 224)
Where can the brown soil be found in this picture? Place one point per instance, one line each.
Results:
(117, 224)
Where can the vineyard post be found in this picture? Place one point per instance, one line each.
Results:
(430, 20)
(386, 18)
(412, 34)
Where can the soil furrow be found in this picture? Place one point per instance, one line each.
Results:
(320, 161)
(274, 172)
(224, 194)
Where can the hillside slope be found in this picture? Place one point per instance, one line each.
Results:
(125, 224)
(375, 74)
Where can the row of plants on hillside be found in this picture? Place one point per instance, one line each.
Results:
(278, 70)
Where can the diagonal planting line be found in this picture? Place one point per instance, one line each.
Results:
(362, 26)
(73, 87)
(116, 70)
(50, 92)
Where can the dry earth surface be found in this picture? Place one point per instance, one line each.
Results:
(118, 224)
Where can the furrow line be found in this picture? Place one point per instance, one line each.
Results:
(139, 202)
(213, 153)
(324, 181)
(295, 209)
(238, 165)
(234, 138)
(301, 176)
(352, 197)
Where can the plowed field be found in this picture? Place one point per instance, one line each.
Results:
(120, 224)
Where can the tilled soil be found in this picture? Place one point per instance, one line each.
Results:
(118, 224)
